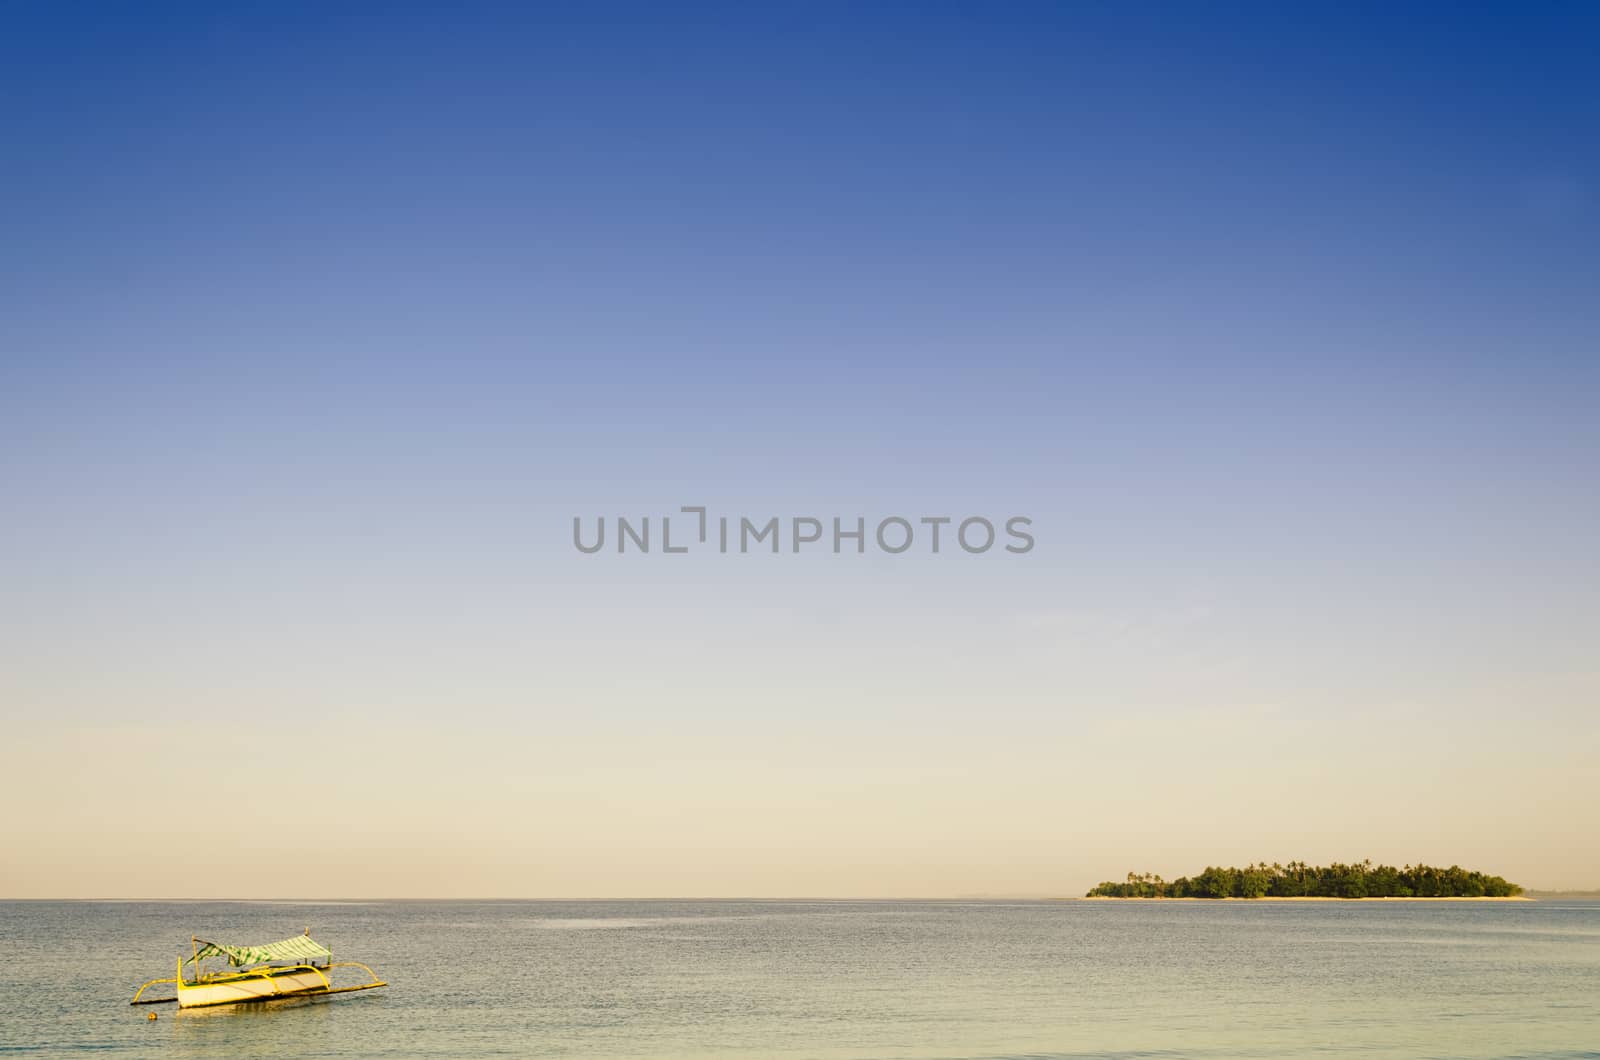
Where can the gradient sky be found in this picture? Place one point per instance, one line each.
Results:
(318, 327)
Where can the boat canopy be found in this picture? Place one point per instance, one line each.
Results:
(299, 948)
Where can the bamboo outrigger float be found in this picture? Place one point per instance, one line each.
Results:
(295, 967)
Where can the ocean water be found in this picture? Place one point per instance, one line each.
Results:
(832, 979)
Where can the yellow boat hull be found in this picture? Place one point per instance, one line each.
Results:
(270, 984)
(265, 983)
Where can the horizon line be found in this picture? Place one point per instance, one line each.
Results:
(1529, 891)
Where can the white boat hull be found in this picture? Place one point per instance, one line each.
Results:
(252, 988)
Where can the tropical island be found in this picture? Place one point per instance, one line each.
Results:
(1299, 880)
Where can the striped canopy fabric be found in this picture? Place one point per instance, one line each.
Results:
(299, 948)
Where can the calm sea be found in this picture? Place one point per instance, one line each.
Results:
(833, 979)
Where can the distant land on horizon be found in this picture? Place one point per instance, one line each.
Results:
(1299, 880)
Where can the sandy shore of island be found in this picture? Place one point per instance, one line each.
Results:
(1316, 898)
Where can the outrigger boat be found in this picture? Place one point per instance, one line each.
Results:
(297, 967)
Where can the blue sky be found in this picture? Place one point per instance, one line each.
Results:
(320, 325)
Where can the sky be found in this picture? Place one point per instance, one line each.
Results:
(319, 326)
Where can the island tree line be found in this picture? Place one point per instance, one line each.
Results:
(1299, 880)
